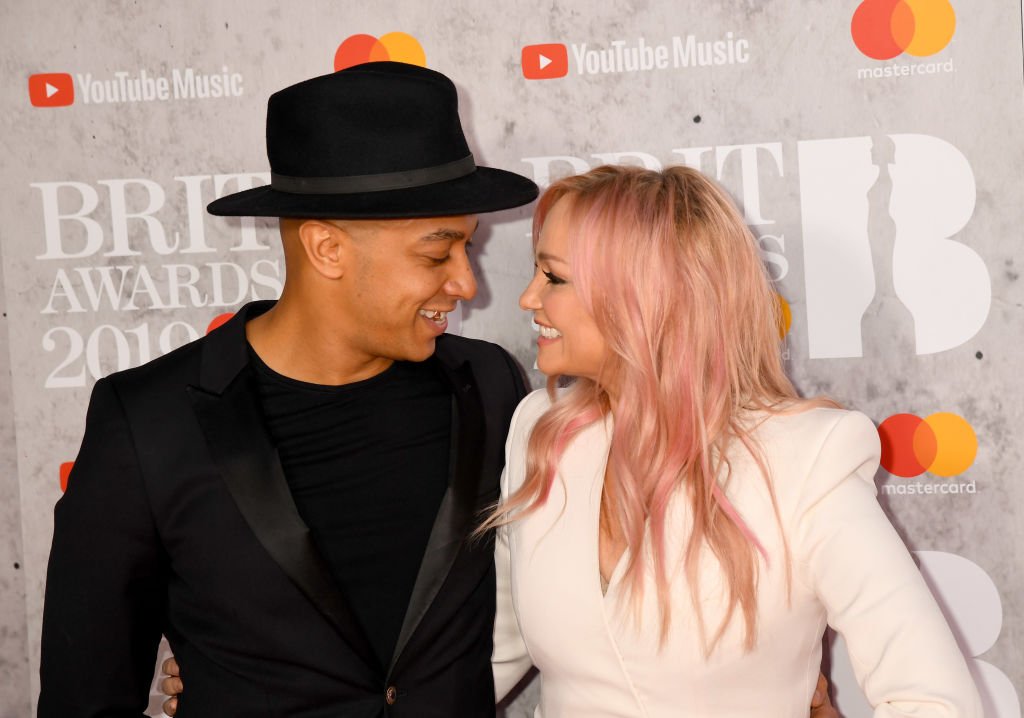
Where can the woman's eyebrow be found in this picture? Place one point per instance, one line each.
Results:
(548, 257)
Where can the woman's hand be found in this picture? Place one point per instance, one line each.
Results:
(171, 685)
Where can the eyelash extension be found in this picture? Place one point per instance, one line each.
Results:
(554, 278)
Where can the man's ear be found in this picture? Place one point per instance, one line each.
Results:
(325, 247)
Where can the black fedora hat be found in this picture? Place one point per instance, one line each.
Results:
(378, 140)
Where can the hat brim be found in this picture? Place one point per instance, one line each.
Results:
(485, 190)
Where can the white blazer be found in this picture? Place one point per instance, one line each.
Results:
(849, 569)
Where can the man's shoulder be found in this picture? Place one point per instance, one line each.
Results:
(211, 361)
(484, 357)
(461, 348)
(499, 378)
(175, 369)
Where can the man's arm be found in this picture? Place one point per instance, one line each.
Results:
(821, 704)
(172, 686)
(105, 585)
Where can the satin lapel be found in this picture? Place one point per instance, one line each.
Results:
(458, 507)
(232, 423)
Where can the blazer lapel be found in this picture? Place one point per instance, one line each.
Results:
(229, 414)
(458, 507)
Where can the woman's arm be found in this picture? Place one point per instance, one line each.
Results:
(902, 650)
(510, 660)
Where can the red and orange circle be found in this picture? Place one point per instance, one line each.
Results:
(218, 321)
(943, 444)
(394, 46)
(882, 29)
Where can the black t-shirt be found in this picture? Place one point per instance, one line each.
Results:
(367, 465)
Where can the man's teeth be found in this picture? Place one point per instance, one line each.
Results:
(549, 332)
(435, 316)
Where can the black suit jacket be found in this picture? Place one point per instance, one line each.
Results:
(177, 519)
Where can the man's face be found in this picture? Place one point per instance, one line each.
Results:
(401, 279)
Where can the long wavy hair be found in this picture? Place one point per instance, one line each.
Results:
(670, 273)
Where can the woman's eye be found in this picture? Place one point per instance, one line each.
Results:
(554, 278)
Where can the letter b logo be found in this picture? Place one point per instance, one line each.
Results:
(920, 263)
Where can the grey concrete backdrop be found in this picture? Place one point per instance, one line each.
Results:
(799, 84)
(14, 661)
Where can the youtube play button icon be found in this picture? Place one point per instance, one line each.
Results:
(545, 62)
(51, 89)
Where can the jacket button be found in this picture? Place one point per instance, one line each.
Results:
(391, 695)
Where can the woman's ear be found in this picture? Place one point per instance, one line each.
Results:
(324, 245)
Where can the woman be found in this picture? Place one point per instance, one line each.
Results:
(677, 526)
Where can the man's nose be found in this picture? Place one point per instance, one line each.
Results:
(461, 281)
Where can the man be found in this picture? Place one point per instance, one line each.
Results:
(288, 499)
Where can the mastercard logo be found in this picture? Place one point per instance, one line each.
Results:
(943, 444)
(65, 474)
(219, 321)
(882, 29)
(785, 316)
(395, 46)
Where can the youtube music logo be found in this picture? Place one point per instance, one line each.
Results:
(51, 89)
(545, 62)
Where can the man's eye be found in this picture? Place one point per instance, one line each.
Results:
(439, 260)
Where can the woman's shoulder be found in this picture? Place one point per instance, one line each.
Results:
(812, 424)
(812, 438)
(811, 449)
(537, 399)
(530, 409)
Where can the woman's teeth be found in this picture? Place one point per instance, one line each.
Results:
(549, 332)
(434, 316)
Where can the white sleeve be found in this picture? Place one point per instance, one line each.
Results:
(510, 660)
(902, 651)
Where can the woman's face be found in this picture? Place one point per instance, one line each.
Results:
(569, 342)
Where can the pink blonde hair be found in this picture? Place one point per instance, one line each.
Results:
(672, 277)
